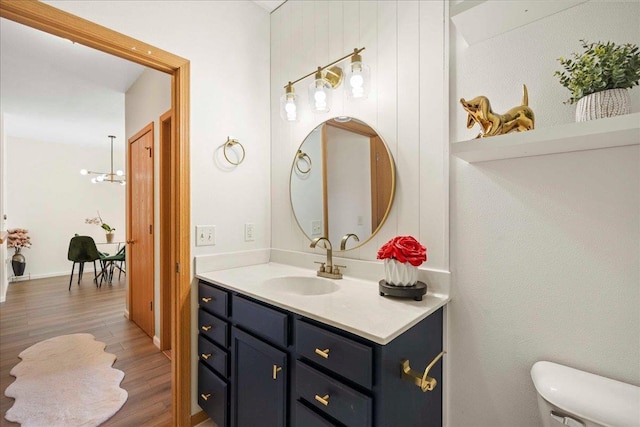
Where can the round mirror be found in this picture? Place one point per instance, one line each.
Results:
(342, 183)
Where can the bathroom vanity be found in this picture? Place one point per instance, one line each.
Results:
(278, 346)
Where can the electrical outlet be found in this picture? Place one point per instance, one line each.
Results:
(249, 229)
(205, 235)
(316, 227)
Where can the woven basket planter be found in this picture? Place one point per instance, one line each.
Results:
(607, 103)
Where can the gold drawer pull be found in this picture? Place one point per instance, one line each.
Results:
(323, 353)
(206, 356)
(324, 399)
(276, 369)
(424, 381)
(206, 328)
(205, 299)
(205, 396)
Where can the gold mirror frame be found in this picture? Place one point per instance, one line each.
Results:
(361, 128)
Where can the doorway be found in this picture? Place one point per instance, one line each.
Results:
(54, 21)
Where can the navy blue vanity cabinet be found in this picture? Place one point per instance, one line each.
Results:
(343, 379)
(213, 353)
(285, 370)
(260, 382)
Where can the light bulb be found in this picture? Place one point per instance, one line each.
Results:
(119, 172)
(358, 78)
(83, 171)
(99, 178)
(93, 180)
(123, 183)
(291, 109)
(288, 106)
(319, 94)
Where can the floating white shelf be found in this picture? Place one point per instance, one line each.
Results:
(477, 21)
(604, 133)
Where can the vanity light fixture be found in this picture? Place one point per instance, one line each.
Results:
(325, 78)
(116, 177)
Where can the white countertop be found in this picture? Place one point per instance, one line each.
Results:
(356, 306)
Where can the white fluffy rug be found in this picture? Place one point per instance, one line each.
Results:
(65, 381)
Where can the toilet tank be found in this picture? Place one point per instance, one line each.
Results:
(586, 399)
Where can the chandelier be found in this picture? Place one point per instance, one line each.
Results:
(117, 177)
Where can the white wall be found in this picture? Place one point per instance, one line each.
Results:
(227, 43)
(47, 195)
(544, 250)
(4, 259)
(146, 100)
(404, 44)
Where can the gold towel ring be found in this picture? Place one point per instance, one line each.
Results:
(304, 157)
(230, 143)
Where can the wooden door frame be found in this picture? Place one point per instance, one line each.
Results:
(164, 161)
(129, 218)
(57, 22)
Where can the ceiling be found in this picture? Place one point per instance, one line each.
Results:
(54, 90)
(58, 91)
(269, 5)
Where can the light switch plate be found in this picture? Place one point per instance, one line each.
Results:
(205, 235)
(249, 229)
(316, 228)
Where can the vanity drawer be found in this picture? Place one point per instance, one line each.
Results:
(213, 356)
(266, 322)
(344, 404)
(212, 395)
(212, 299)
(215, 329)
(305, 417)
(345, 357)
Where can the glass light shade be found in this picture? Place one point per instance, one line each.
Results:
(358, 80)
(123, 183)
(83, 172)
(93, 180)
(119, 172)
(319, 96)
(289, 107)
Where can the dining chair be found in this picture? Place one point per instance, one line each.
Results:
(110, 263)
(83, 249)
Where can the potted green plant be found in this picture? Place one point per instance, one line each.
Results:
(600, 78)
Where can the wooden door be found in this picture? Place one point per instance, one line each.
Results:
(140, 229)
(260, 382)
(381, 182)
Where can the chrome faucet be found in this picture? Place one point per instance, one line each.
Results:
(327, 269)
(343, 244)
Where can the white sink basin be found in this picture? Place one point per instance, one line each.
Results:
(301, 285)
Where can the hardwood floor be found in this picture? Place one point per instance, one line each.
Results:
(39, 309)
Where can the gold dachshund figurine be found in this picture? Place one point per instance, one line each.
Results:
(517, 119)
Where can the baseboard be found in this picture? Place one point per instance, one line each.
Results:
(199, 418)
(126, 314)
(156, 341)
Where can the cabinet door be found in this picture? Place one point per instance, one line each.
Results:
(260, 382)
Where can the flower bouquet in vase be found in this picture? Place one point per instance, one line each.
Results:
(402, 255)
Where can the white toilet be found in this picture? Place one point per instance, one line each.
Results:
(567, 396)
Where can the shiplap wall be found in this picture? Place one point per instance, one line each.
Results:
(404, 44)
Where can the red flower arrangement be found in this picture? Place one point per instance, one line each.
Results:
(404, 249)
